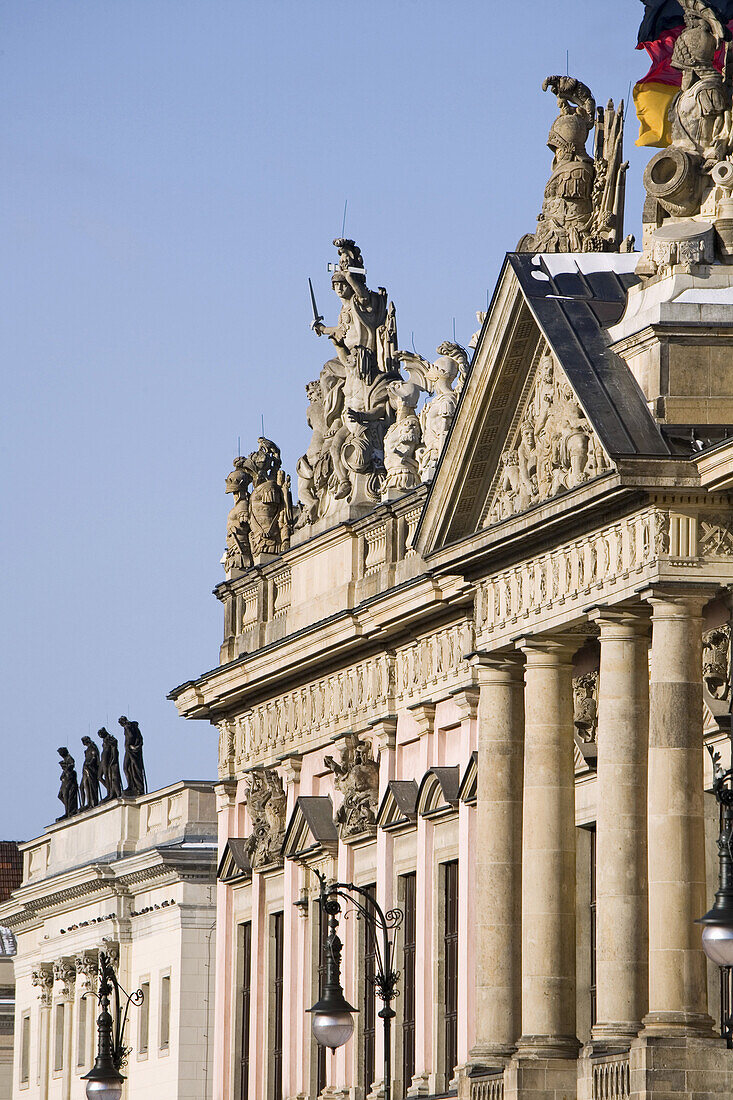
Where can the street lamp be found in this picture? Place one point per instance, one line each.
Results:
(104, 1080)
(717, 933)
(333, 1021)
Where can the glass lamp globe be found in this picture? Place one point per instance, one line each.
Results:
(333, 1029)
(104, 1090)
(717, 943)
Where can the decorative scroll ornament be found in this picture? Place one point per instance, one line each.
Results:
(266, 802)
(585, 707)
(582, 210)
(261, 521)
(716, 662)
(87, 965)
(555, 449)
(42, 979)
(356, 776)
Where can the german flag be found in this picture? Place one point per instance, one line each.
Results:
(662, 24)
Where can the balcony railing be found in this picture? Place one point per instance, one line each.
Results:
(488, 1088)
(611, 1078)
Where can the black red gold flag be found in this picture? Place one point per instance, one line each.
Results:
(662, 24)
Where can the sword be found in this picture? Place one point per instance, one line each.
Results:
(317, 318)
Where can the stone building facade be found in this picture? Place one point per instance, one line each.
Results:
(481, 686)
(136, 878)
(11, 873)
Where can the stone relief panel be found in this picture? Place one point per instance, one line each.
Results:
(266, 802)
(356, 776)
(552, 450)
(585, 707)
(717, 670)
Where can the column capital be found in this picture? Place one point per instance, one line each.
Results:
(289, 767)
(678, 601)
(226, 793)
(621, 620)
(493, 668)
(466, 700)
(383, 732)
(549, 650)
(424, 715)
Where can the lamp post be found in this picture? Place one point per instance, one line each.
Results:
(717, 933)
(104, 1080)
(333, 1022)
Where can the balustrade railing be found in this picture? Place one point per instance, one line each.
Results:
(611, 1079)
(488, 1088)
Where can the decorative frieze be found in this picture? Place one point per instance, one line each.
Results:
(64, 976)
(87, 965)
(348, 699)
(375, 549)
(582, 570)
(281, 587)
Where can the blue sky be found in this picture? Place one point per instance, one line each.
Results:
(173, 171)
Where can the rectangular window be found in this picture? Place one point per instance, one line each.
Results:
(592, 925)
(278, 929)
(320, 1050)
(143, 1029)
(368, 1006)
(450, 962)
(81, 1033)
(409, 908)
(246, 948)
(165, 1011)
(25, 1049)
(58, 1038)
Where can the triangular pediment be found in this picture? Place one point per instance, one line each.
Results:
(311, 831)
(547, 407)
(398, 809)
(234, 865)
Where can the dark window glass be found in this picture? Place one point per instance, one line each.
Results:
(368, 1007)
(277, 991)
(245, 1007)
(593, 926)
(409, 908)
(58, 1045)
(450, 957)
(321, 1051)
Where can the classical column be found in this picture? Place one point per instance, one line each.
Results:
(498, 860)
(677, 891)
(621, 842)
(548, 853)
(384, 736)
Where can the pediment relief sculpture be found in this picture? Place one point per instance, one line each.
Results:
(554, 448)
(261, 521)
(266, 802)
(356, 776)
(582, 209)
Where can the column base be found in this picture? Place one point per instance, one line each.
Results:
(678, 1023)
(488, 1056)
(419, 1086)
(680, 1066)
(548, 1046)
(533, 1077)
(608, 1037)
(377, 1091)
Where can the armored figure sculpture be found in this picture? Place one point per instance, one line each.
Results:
(357, 778)
(436, 415)
(109, 765)
(266, 802)
(69, 789)
(89, 787)
(582, 210)
(261, 521)
(698, 114)
(133, 765)
(350, 411)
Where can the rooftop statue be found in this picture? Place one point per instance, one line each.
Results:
(693, 177)
(444, 379)
(69, 789)
(133, 763)
(583, 205)
(89, 787)
(261, 521)
(109, 765)
(350, 410)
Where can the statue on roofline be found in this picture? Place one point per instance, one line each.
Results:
(582, 210)
(89, 786)
(69, 789)
(133, 765)
(262, 520)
